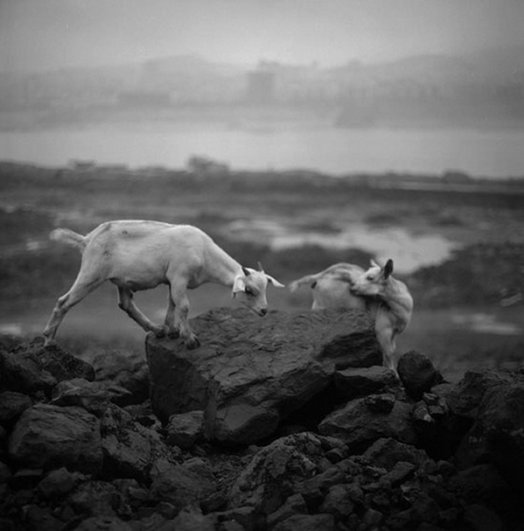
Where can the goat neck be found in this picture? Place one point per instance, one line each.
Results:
(221, 267)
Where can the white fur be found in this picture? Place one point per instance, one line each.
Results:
(331, 287)
(375, 290)
(138, 255)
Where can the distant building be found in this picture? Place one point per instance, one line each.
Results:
(81, 165)
(204, 166)
(144, 99)
(261, 86)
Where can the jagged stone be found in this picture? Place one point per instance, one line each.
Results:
(41, 519)
(95, 498)
(185, 429)
(129, 448)
(49, 436)
(465, 398)
(126, 370)
(295, 504)
(92, 396)
(480, 518)
(417, 373)
(181, 485)
(192, 519)
(356, 382)
(307, 522)
(5, 473)
(481, 484)
(497, 434)
(59, 482)
(103, 523)
(12, 405)
(250, 373)
(33, 368)
(359, 426)
(338, 502)
(275, 471)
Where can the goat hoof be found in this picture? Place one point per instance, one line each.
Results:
(159, 332)
(49, 343)
(192, 344)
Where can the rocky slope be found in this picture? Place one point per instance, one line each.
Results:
(282, 423)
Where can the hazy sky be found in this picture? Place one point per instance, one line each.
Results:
(44, 34)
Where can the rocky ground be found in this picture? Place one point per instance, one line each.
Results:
(284, 423)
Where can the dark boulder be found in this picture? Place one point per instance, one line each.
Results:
(123, 369)
(12, 405)
(364, 420)
(497, 434)
(129, 448)
(49, 436)
(417, 373)
(356, 382)
(250, 373)
(33, 368)
(189, 483)
(92, 396)
(59, 482)
(465, 398)
(275, 471)
(186, 429)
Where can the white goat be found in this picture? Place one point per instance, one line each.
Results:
(138, 255)
(375, 290)
(331, 287)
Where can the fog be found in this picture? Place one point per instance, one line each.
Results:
(36, 35)
(336, 86)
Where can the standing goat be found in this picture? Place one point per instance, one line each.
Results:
(139, 255)
(375, 290)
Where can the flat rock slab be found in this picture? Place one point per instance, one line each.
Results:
(251, 372)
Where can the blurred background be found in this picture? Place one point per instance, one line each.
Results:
(297, 133)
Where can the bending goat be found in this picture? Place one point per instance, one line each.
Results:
(331, 287)
(138, 255)
(375, 290)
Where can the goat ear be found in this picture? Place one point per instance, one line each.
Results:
(238, 285)
(274, 281)
(246, 271)
(388, 268)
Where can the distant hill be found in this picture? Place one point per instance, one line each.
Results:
(484, 88)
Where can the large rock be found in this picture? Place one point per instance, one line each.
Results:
(497, 434)
(129, 448)
(275, 471)
(364, 420)
(182, 484)
(417, 373)
(32, 368)
(48, 436)
(465, 398)
(125, 369)
(185, 429)
(355, 382)
(12, 405)
(250, 373)
(92, 396)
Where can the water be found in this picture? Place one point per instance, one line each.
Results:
(411, 250)
(335, 151)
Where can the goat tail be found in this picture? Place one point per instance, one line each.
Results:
(69, 237)
(308, 279)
